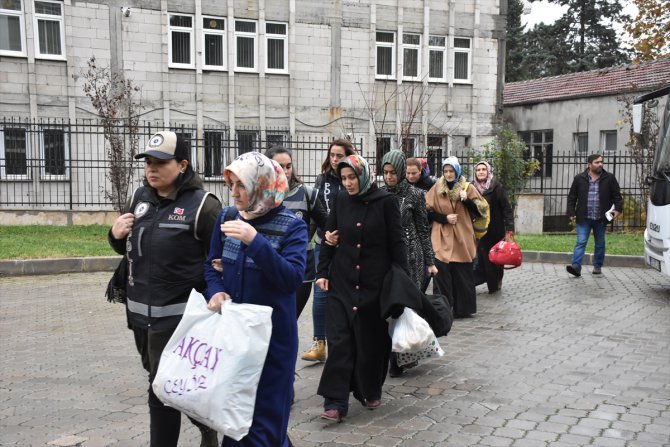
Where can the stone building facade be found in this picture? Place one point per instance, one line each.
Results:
(425, 72)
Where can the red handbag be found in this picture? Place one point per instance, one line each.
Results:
(506, 253)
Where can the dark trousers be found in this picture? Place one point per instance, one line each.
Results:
(165, 422)
(302, 296)
(456, 281)
(486, 271)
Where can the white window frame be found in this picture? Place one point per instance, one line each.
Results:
(603, 140)
(576, 136)
(66, 159)
(181, 29)
(37, 17)
(3, 155)
(246, 35)
(215, 32)
(282, 37)
(443, 50)
(467, 51)
(413, 47)
(22, 30)
(391, 45)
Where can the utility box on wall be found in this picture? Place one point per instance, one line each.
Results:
(529, 213)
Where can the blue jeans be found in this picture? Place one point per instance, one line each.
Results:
(319, 304)
(583, 230)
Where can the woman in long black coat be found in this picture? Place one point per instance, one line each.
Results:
(502, 221)
(370, 240)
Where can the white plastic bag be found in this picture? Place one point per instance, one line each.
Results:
(410, 332)
(432, 350)
(211, 366)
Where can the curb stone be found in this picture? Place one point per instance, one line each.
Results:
(57, 266)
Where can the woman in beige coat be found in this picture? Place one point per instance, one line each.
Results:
(452, 205)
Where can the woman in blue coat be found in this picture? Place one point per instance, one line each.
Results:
(262, 248)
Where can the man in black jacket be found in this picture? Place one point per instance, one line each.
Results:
(594, 199)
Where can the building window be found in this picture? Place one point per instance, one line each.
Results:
(214, 43)
(14, 152)
(411, 57)
(437, 65)
(540, 146)
(275, 139)
(191, 155)
(48, 24)
(247, 141)
(276, 44)
(580, 140)
(215, 156)
(12, 32)
(383, 146)
(462, 59)
(608, 140)
(434, 153)
(385, 58)
(180, 44)
(54, 153)
(245, 45)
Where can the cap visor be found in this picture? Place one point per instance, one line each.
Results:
(155, 154)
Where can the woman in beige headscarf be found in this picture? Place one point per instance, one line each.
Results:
(452, 204)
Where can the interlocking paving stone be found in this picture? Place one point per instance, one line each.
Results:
(551, 361)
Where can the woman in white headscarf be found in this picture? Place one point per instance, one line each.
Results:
(452, 204)
(262, 248)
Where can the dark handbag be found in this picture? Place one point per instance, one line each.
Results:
(116, 287)
(437, 313)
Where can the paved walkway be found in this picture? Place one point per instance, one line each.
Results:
(550, 361)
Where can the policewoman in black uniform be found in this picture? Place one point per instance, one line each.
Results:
(166, 234)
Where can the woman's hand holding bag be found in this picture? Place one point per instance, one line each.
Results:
(506, 253)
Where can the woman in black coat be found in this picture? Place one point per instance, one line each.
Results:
(370, 241)
(502, 221)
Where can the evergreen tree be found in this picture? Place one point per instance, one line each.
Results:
(582, 39)
(514, 50)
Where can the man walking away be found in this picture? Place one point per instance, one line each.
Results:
(592, 195)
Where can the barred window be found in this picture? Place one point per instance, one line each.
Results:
(49, 29)
(14, 152)
(437, 58)
(180, 44)
(214, 43)
(276, 44)
(215, 157)
(385, 55)
(54, 152)
(12, 28)
(247, 141)
(411, 57)
(540, 146)
(245, 45)
(462, 60)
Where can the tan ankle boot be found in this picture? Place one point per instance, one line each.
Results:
(316, 353)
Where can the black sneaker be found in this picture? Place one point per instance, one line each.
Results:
(597, 271)
(574, 270)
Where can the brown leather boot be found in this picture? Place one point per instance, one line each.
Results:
(317, 352)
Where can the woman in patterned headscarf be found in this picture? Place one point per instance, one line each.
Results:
(262, 249)
(452, 204)
(502, 221)
(370, 240)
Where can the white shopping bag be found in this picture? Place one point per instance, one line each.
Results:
(410, 332)
(211, 366)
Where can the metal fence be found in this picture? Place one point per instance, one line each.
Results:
(555, 176)
(61, 165)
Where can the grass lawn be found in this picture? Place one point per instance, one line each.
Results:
(37, 241)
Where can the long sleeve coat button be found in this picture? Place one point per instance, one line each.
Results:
(358, 224)
(358, 245)
(355, 309)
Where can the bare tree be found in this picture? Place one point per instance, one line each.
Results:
(641, 146)
(114, 99)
